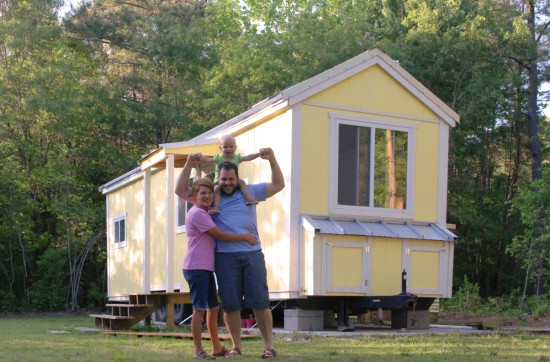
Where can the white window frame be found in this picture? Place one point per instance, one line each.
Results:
(123, 243)
(336, 120)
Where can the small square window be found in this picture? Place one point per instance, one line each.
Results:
(120, 231)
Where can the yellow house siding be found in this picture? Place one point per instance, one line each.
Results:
(366, 95)
(158, 231)
(426, 171)
(126, 263)
(314, 175)
(373, 89)
(386, 266)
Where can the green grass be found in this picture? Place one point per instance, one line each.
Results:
(31, 339)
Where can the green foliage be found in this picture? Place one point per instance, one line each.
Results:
(49, 291)
(465, 300)
(81, 101)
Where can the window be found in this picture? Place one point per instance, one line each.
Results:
(183, 208)
(120, 231)
(371, 161)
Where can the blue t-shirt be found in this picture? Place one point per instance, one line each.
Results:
(239, 218)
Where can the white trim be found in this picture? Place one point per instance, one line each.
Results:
(120, 244)
(147, 231)
(442, 277)
(293, 218)
(442, 173)
(349, 68)
(170, 222)
(372, 112)
(450, 262)
(324, 281)
(327, 79)
(335, 120)
(328, 265)
(131, 178)
(421, 92)
(109, 248)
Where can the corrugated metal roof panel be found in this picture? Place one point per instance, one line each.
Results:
(378, 229)
(403, 231)
(406, 230)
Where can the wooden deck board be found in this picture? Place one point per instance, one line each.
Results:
(181, 335)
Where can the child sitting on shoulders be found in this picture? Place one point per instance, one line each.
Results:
(228, 146)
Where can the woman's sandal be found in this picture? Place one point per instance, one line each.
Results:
(221, 353)
(269, 353)
(233, 352)
(204, 355)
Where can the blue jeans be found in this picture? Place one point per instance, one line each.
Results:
(242, 275)
(202, 287)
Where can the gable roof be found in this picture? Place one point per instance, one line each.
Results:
(300, 91)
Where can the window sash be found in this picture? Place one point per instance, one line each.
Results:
(372, 163)
(120, 230)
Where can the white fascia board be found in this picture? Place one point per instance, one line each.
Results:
(119, 182)
(250, 121)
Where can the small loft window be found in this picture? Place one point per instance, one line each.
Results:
(119, 227)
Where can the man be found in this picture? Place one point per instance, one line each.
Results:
(240, 267)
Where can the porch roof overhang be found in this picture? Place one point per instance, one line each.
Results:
(382, 228)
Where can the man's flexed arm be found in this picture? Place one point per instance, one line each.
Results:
(277, 180)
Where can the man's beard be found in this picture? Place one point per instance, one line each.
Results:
(229, 193)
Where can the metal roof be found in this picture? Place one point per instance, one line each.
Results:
(382, 228)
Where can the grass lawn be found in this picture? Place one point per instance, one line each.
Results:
(58, 338)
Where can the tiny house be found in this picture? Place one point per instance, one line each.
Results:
(361, 223)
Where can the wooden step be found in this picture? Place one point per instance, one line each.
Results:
(113, 322)
(110, 316)
(139, 307)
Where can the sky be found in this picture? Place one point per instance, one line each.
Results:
(67, 6)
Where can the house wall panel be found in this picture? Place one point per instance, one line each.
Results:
(126, 263)
(386, 266)
(366, 95)
(273, 220)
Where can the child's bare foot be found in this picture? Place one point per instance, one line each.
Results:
(251, 201)
(214, 210)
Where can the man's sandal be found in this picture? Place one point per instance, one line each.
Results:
(233, 352)
(221, 353)
(269, 353)
(204, 355)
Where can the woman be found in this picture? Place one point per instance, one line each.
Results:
(198, 266)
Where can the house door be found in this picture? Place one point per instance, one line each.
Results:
(346, 267)
(425, 266)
